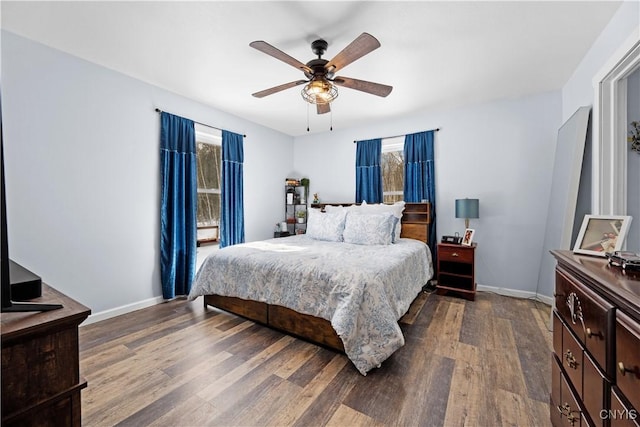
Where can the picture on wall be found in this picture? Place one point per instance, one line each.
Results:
(601, 234)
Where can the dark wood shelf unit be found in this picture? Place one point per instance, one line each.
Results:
(291, 209)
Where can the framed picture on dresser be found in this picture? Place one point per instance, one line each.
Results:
(601, 234)
(467, 237)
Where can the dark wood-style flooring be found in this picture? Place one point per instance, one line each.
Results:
(482, 363)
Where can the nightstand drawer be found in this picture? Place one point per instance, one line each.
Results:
(455, 254)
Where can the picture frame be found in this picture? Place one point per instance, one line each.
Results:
(602, 234)
(467, 237)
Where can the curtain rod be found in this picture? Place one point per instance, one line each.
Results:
(395, 136)
(203, 124)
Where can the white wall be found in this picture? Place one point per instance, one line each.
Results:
(82, 155)
(579, 89)
(500, 152)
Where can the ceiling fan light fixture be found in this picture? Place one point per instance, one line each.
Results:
(319, 91)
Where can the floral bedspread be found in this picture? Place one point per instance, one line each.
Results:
(362, 290)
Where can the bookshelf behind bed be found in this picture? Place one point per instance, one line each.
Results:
(415, 225)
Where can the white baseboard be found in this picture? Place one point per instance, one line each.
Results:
(516, 293)
(108, 314)
(113, 312)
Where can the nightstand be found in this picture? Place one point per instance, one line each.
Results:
(456, 270)
(277, 234)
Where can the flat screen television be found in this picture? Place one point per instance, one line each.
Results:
(7, 304)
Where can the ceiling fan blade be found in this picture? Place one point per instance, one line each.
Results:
(364, 86)
(358, 48)
(323, 108)
(275, 89)
(270, 50)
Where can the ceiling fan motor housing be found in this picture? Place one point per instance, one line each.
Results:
(319, 47)
(318, 69)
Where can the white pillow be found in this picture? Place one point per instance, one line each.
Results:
(369, 229)
(332, 208)
(326, 226)
(396, 209)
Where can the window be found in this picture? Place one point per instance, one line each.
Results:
(209, 166)
(393, 169)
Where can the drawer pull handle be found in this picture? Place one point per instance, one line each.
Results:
(623, 369)
(572, 418)
(455, 254)
(591, 334)
(575, 308)
(571, 360)
(566, 411)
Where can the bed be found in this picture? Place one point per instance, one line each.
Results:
(342, 295)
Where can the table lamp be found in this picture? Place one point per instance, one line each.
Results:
(467, 208)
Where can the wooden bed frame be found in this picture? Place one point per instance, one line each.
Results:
(415, 225)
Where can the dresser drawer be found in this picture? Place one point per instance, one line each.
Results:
(594, 388)
(621, 414)
(572, 359)
(565, 410)
(587, 378)
(628, 358)
(455, 254)
(555, 398)
(558, 327)
(587, 314)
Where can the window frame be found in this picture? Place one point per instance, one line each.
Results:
(210, 136)
(391, 145)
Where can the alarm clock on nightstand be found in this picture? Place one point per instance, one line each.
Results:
(455, 240)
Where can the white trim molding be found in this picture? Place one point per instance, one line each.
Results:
(610, 128)
(516, 294)
(108, 314)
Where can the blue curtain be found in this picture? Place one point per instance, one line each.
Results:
(232, 202)
(178, 205)
(419, 175)
(369, 171)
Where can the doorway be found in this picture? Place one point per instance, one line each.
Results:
(615, 190)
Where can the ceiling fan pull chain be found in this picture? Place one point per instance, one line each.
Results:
(307, 117)
(331, 119)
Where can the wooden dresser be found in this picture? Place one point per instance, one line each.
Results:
(41, 380)
(596, 341)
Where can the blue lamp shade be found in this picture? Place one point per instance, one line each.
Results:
(467, 208)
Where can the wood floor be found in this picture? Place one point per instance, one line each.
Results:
(482, 363)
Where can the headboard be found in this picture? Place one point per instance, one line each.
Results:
(415, 219)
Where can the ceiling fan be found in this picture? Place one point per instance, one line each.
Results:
(320, 86)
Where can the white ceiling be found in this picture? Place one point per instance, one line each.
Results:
(435, 54)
